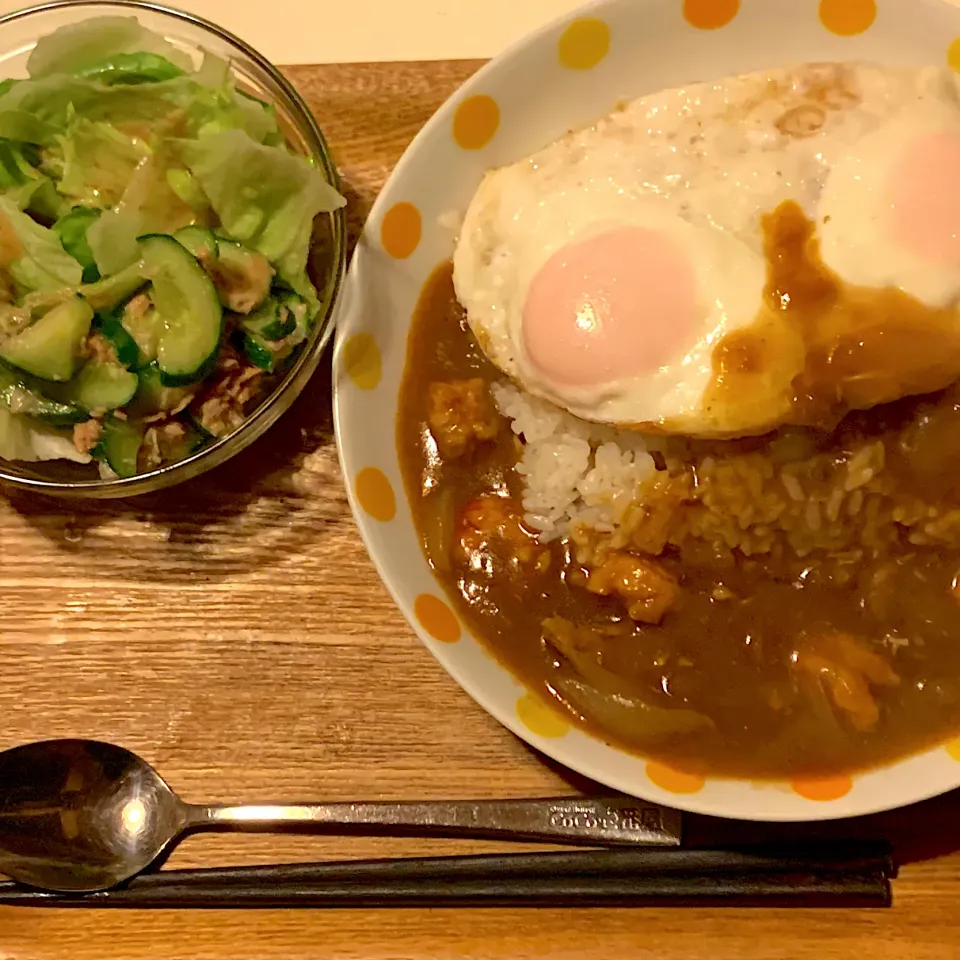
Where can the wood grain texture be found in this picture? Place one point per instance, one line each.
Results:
(234, 632)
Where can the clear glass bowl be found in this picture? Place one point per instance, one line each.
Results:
(18, 35)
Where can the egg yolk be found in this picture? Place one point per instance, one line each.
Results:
(923, 193)
(618, 304)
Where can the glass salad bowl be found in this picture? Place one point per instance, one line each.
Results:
(198, 319)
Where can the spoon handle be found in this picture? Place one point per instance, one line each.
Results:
(592, 821)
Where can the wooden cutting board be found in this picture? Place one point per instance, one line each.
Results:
(234, 632)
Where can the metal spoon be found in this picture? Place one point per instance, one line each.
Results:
(80, 816)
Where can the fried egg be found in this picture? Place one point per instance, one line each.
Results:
(601, 272)
(890, 209)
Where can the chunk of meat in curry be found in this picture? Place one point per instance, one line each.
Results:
(648, 590)
(462, 414)
(847, 668)
(491, 530)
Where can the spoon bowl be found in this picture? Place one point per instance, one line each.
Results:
(80, 815)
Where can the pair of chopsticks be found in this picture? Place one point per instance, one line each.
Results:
(841, 875)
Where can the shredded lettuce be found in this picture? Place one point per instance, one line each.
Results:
(132, 69)
(78, 48)
(72, 231)
(98, 162)
(265, 197)
(35, 258)
(148, 205)
(38, 197)
(25, 439)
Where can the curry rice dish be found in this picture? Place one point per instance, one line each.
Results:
(727, 540)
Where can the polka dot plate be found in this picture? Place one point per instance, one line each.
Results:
(563, 77)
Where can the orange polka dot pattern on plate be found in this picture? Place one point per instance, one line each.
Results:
(847, 18)
(584, 44)
(823, 789)
(375, 494)
(361, 361)
(953, 54)
(710, 14)
(400, 230)
(537, 717)
(436, 617)
(674, 781)
(475, 122)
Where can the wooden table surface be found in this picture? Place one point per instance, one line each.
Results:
(234, 632)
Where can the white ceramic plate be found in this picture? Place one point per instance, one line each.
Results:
(563, 77)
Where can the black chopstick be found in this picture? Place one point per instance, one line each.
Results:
(846, 876)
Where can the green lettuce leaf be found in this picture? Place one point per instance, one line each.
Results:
(132, 69)
(34, 256)
(148, 205)
(79, 47)
(72, 231)
(52, 104)
(98, 162)
(38, 197)
(265, 197)
(26, 440)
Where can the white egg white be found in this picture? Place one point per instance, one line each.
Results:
(857, 239)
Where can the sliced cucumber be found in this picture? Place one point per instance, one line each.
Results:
(117, 335)
(200, 241)
(146, 329)
(102, 386)
(119, 445)
(242, 277)
(193, 440)
(257, 350)
(187, 303)
(271, 321)
(17, 396)
(111, 292)
(50, 348)
(300, 312)
(152, 397)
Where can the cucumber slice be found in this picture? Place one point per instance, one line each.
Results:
(193, 440)
(242, 277)
(50, 348)
(117, 335)
(187, 303)
(200, 241)
(145, 329)
(152, 396)
(102, 386)
(300, 312)
(109, 293)
(119, 446)
(17, 396)
(258, 351)
(272, 321)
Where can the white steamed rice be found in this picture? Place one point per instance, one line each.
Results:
(575, 473)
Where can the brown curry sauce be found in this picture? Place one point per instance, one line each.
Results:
(717, 685)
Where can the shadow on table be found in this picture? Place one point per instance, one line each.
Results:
(281, 495)
(921, 831)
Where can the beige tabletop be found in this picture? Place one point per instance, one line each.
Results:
(234, 632)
